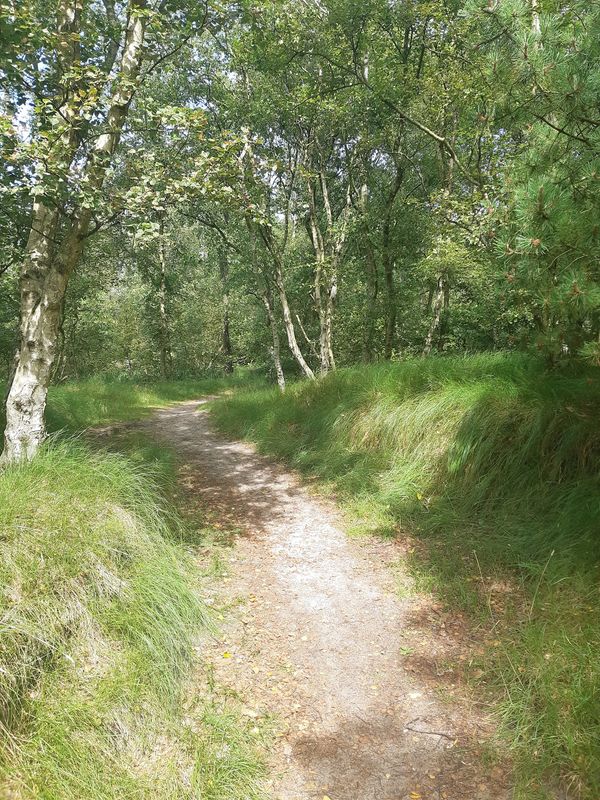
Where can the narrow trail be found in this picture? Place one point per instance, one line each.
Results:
(320, 636)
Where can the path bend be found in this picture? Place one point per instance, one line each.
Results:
(322, 638)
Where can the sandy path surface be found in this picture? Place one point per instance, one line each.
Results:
(319, 635)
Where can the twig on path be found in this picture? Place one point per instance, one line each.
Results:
(407, 727)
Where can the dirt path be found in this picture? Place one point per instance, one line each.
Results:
(320, 636)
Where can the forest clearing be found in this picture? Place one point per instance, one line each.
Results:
(300, 344)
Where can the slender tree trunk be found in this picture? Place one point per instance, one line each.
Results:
(226, 334)
(331, 296)
(324, 362)
(328, 247)
(391, 309)
(445, 320)
(166, 356)
(370, 305)
(388, 267)
(276, 254)
(289, 325)
(334, 245)
(285, 306)
(439, 303)
(320, 262)
(54, 247)
(275, 348)
(307, 339)
(372, 276)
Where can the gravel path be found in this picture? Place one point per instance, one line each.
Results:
(328, 634)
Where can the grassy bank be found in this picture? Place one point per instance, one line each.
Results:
(496, 465)
(101, 688)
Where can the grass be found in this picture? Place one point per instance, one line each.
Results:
(495, 464)
(76, 405)
(101, 401)
(101, 622)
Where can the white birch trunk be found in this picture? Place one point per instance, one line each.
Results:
(289, 325)
(439, 306)
(51, 254)
(275, 348)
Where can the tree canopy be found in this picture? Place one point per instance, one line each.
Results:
(299, 185)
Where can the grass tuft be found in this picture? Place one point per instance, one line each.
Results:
(100, 619)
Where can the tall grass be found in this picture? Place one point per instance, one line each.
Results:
(103, 400)
(99, 618)
(496, 464)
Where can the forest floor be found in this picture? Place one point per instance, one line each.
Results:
(328, 636)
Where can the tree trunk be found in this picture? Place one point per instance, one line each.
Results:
(388, 265)
(370, 305)
(372, 275)
(285, 306)
(275, 348)
(328, 247)
(324, 363)
(226, 335)
(320, 261)
(43, 285)
(289, 325)
(331, 296)
(51, 253)
(166, 356)
(391, 311)
(445, 320)
(439, 304)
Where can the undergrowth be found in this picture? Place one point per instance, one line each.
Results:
(495, 463)
(100, 620)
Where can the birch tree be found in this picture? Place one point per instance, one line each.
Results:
(91, 62)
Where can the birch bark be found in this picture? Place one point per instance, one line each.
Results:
(54, 246)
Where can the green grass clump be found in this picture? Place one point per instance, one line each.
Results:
(495, 462)
(101, 400)
(225, 767)
(99, 618)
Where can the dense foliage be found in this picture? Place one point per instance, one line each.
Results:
(330, 181)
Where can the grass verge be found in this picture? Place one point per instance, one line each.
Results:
(100, 624)
(75, 405)
(496, 465)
